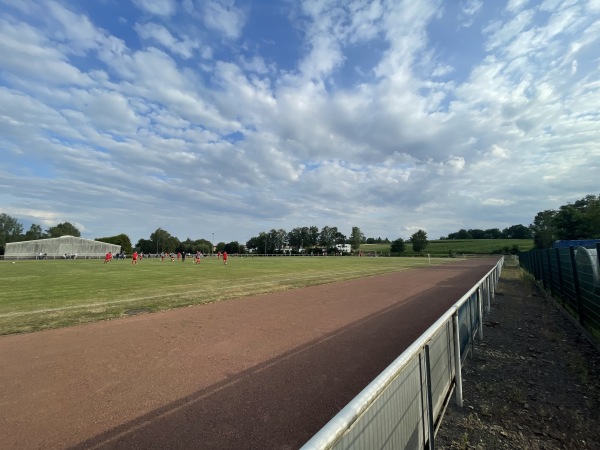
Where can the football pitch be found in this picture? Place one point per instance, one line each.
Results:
(38, 295)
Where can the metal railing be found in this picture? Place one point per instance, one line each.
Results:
(403, 407)
(571, 276)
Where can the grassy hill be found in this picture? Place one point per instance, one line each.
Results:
(458, 246)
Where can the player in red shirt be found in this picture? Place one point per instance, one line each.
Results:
(225, 258)
(134, 258)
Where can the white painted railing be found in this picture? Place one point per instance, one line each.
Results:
(403, 407)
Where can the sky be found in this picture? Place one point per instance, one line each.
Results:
(221, 119)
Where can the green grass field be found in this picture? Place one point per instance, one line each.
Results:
(38, 295)
(458, 246)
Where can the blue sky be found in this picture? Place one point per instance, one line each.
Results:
(236, 117)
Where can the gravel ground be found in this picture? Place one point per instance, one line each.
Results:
(532, 383)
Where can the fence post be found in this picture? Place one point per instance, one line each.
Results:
(548, 252)
(561, 290)
(457, 362)
(488, 294)
(480, 311)
(431, 439)
(576, 285)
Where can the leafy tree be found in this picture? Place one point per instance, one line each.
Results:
(295, 238)
(327, 236)
(313, 236)
(591, 220)
(340, 238)
(187, 246)
(569, 223)
(264, 246)
(493, 233)
(517, 232)
(164, 242)
(63, 229)
(544, 229)
(253, 243)
(477, 234)
(419, 241)
(35, 232)
(146, 246)
(356, 238)
(10, 230)
(120, 239)
(397, 246)
(279, 238)
(202, 245)
(234, 247)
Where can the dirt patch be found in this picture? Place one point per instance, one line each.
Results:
(533, 382)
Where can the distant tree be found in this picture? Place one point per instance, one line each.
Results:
(517, 232)
(493, 233)
(477, 234)
(543, 229)
(569, 223)
(356, 238)
(295, 238)
(397, 246)
(63, 229)
(280, 238)
(313, 236)
(10, 230)
(146, 246)
(419, 241)
(591, 219)
(263, 243)
(340, 238)
(35, 232)
(252, 244)
(201, 245)
(164, 242)
(233, 247)
(463, 234)
(327, 236)
(120, 239)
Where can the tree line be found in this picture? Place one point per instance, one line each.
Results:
(513, 232)
(306, 239)
(573, 221)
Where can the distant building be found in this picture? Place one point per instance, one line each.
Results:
(344, 248)
(60, 247)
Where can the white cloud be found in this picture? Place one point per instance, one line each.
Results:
(157, 7)
(224, 17)
(158, 33)
(516, 5)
